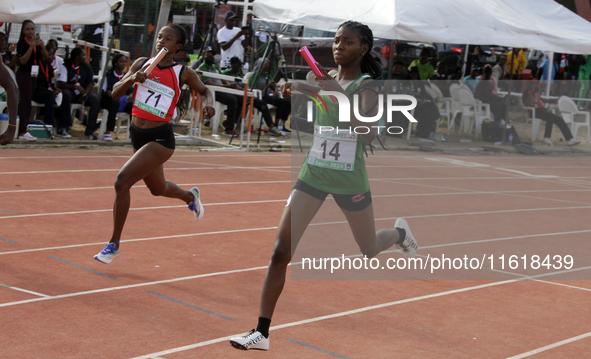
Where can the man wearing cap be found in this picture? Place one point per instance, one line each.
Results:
(232, 40)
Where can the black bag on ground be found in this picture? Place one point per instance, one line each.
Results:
(426, 115)
(493, 132)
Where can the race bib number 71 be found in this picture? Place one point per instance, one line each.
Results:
(333, 149)
(154, 97)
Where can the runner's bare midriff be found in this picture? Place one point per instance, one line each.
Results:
(145, 124)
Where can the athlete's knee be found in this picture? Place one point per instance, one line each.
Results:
(121, 184)
(281, 255)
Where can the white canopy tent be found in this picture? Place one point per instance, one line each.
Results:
(58, 12)
(538, 24)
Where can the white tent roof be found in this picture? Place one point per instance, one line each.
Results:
(537, 24)
(58, 12)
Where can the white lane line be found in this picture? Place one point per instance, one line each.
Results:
(110, 289)
(23, 290)
(456, 162)
(563, 285)
(136, 209)
(141, 186)
(551, 346)
(256, 268)
(527, 174)
(350, 312)
(464, 214)
(166, 169)
(128, 155)
(141, 239)
(470, 191)
(330, 316)
(273, 228)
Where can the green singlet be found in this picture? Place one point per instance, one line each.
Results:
(335, 162)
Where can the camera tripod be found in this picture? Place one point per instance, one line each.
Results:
(211, 31)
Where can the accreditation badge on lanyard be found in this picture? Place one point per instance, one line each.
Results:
(34, 67)
(334, 149)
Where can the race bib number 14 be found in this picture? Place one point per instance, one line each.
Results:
(333, 149)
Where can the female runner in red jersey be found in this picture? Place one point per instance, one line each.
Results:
(156, 96)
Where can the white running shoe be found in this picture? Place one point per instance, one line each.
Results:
(547, 141)
(107, 254)
(196, 205)
(252, 340)
(63, 133)
(572, 142)
(27, 137)
(408, 244)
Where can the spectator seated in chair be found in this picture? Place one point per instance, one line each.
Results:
(486, 91)
(119, 63)
(76, 81)
(236, 71)
(271, 93)
(472, 80)
(227, 99)
(531, 98)
(45, 90)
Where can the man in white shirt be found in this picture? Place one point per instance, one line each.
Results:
(232, 40)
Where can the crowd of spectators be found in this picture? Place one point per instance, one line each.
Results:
(34, 63)
(48, 81)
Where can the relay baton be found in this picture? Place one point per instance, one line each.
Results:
(310, 60)
(312, 63)
(155, 62)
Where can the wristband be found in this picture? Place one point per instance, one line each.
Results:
(11, 124)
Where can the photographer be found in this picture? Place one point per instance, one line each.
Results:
(227, 38)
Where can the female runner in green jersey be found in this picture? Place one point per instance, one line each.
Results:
(344, 176)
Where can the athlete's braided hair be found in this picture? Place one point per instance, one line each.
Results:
(368, 62)
(182, 104)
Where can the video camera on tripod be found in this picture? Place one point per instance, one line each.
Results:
(273, 52)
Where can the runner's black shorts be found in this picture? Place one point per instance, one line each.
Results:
(349, 202)
(163, 135)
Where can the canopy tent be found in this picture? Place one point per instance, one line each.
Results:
(58, 12)
(538, 24)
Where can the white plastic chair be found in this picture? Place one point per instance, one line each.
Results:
(121, 116)
(472, 109)
(571, 114)
(444, 105)
(454, 90)
(536, 122)
(466, 87)
(34, 106)
(441, 106)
